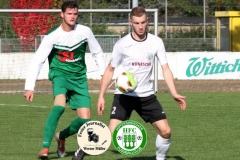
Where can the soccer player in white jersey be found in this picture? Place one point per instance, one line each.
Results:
(135, 53)
(65, 48)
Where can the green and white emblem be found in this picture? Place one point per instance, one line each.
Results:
(129, 137)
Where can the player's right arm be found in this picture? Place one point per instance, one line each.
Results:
(107, 76)
(35, 66)
(29, 96)
(106, 79)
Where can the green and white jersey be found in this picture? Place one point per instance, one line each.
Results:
(66, 54)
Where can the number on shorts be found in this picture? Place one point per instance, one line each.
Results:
(114, 109)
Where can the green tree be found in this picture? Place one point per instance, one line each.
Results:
(5, 23)
(190, 8)
(223, 5)
(193, 8)
(4, 4)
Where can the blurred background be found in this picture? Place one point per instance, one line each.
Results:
(184, 25)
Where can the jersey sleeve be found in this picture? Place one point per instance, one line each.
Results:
(161, 53)
(96, 52)
(37, 62)
(116, 56)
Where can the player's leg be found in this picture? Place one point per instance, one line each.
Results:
(113, 123)
(151, 111)
(79, 100)
(163, 138)
(122, 107)
(53, 118)
(84, 115)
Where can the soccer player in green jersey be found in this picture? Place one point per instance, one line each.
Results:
(65, 48)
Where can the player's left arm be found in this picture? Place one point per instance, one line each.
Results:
(96, 52)
(168, 77)
(167, 74)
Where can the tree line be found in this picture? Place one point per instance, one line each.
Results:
(186, 8)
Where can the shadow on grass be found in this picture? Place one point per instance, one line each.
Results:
(53, 155)
(70, 154)
(175, 157)
(138, 158)
(151, 158)
(146, 157)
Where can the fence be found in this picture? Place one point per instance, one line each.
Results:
(12, 45)
(189, 44)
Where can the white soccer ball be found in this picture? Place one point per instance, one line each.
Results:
(126, 82)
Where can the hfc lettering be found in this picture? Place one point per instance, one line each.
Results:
(129, 130)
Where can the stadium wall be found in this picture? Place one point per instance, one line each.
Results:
(184, 65)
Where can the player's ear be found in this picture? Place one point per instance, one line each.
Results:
(130, 22)
(61, 14)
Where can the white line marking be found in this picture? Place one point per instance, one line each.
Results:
(207, 105)
(201, 105)
(23, 105)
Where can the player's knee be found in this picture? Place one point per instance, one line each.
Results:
(111, 128)
(84, 113)
(113, 123)
(60, 100)
(166, 133)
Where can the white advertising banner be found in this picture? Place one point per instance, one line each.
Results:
(207, 65)
(184, 65)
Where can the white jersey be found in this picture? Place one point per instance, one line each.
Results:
(137, 57)
(66, 54)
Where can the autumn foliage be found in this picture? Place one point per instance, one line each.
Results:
(28, 25)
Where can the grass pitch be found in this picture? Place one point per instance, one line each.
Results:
(208, 130)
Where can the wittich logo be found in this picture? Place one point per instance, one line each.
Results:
(129, 137)
(207, 66)
(94, 137)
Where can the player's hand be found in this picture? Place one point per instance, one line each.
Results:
(100, 106)
(181, 101)
(29, 96)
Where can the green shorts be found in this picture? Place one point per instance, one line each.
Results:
(76, 91)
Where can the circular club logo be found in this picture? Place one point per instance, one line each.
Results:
(129, 137)
(94, 137)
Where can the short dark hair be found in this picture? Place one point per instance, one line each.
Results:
(138, 11)
(69, 4)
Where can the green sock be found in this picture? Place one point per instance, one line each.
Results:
(73, 128)
(51, 125)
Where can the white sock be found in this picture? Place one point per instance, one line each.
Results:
(162, 146)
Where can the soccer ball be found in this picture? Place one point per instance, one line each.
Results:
(126, 82)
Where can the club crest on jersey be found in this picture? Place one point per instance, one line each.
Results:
(80, 38)
(150, 57)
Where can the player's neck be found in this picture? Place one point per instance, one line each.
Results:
(139, 37)
(67, 28)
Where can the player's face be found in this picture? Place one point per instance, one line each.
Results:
(139, 25)
(70, 16)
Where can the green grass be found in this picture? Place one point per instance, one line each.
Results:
(208, 130)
